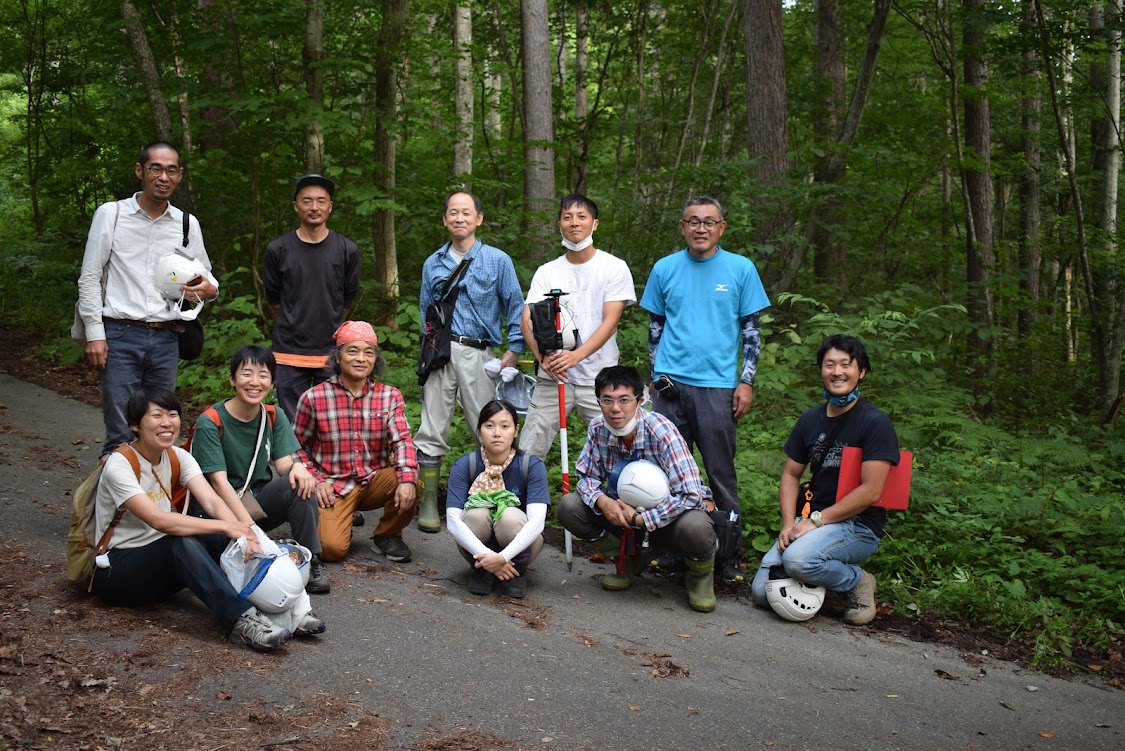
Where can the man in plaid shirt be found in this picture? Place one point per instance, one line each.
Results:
(624, 432)
(356, 444)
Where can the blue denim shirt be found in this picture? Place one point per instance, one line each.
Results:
(489, 290)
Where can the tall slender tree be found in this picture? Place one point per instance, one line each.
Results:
(312, 56)
(539, 153)
(388, 56)
(463, 89)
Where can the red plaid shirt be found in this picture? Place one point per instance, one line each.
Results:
(345, 439)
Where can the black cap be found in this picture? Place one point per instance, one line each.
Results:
(314, 179)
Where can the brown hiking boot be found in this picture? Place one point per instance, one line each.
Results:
(861, 601)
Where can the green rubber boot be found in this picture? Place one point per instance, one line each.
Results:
(699, 579)
(615, 582)
(428, 519)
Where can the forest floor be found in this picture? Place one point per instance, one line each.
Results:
(51, 658)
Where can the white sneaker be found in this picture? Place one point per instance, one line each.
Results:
(257, 632)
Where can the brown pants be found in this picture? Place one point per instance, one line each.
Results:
(336, 522)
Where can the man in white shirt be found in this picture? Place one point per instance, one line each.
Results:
(597, 286)
(131, 330)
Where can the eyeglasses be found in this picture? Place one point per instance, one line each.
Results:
(708, 224)
(621, 401)
(171, 170)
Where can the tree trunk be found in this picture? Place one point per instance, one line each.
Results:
(977, 175)
(1030, 107)
(463, 92)
(830, 76)
(705, 135)
(146, 69)
(387, 59)
(539, 154)
(314, 84)
(186, 193)
(767, 128)
(581, 95)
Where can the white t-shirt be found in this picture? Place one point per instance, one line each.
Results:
(604, 278)
(118, 484)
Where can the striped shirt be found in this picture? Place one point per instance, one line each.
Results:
(346, 439)
(657, 440)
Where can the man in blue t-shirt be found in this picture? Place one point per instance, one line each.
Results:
(702, 302)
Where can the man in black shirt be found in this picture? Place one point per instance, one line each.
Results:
(823, 540)
(311, 277)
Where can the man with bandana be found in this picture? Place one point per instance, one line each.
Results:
(702, 300)
(598, 287)
(825, 547)
(356, 444)
(680, 523)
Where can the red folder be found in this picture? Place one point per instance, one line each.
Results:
(896, 493)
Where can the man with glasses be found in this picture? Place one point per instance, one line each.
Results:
(311, 277)
(131, 330)
(702, 301)
(489, 303)
(679, 523)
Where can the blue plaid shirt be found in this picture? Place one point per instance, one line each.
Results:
(489, 290)
(657, 440)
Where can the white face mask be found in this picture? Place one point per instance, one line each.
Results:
(625, 430)
(578, 246)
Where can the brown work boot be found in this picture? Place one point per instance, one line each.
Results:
(861, 601)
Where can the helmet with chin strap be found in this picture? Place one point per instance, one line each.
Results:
(273, 583)
(173, 271)
(640, 483)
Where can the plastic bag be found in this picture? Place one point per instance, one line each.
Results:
(238, 571)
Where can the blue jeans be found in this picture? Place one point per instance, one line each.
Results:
(825, 557)
(292, 381)
(137, 357)
(155, 572)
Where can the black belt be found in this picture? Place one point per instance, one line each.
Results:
(174, 326)
(468, 341)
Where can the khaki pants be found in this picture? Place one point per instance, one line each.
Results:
(479, 522)
(336, 522)
(542, 423)
(463, 376)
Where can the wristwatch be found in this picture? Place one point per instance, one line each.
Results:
(816, 519)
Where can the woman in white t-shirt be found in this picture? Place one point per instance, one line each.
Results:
(154, 551)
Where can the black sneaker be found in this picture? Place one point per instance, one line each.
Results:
(668, 563)
(481, 582)
(731, 571)
(318, 581)
(357, 519)
(512, 587)
(392, 547)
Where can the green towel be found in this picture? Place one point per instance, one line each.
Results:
(497, 500)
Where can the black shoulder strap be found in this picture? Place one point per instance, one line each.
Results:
(525, 462)
(457, 274)
(187, 227)
(473, 470)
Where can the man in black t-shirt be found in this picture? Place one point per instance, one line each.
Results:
(311, 278)
(823, 541)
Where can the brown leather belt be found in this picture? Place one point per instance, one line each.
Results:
(174, 326)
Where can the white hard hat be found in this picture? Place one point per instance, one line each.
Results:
(640, 483)
(794, 600)
(272, 583)
(173, 271)
(304, 557)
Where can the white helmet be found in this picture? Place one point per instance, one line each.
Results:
(640, 483)
(302, 556)
(794, 600)
(272, 583)
(517, 392)
(173, 271)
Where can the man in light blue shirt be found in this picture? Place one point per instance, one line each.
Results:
(702, 301)
(490, 303)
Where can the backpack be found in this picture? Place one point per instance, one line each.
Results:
(525, 462)
(180, 495)
(81, 546)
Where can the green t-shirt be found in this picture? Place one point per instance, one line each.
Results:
(231, 453)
